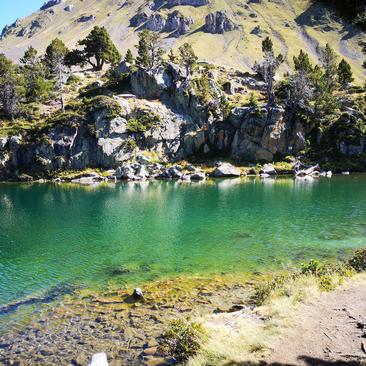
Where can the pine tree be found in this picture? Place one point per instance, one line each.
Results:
(55, 58)
(302, 62)
(34, 72)
(129, 57)
(11, 87)
(345, 76)
(300, 82)
(268, 68)
(187, 58)
(54, 52)
(329, 63)
(99, 49)
(149, 52)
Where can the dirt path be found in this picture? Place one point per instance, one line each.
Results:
(330, 331)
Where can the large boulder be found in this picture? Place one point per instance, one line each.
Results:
(226, 170)
(50, 3)
(151, 83)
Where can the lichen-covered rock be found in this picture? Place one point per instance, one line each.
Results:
(218, 23)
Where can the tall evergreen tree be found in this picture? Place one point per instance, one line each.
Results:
(149, 52)
(330, 67)
(345, 76)
(34, 72)
(187, 57)
(268, 68)
(300, 82)
(55, 57)
(54, 52)
(11, 87)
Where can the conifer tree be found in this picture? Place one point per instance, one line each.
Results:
(187, 58)
(129, 57)
(11, 87)
(345, 76)
(268, 68)
(149, 50)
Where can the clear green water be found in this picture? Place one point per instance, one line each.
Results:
(56, 234)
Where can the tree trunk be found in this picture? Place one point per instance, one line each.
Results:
(62, 101)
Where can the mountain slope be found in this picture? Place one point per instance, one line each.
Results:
(292, 24)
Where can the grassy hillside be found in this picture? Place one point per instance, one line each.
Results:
(292, 24)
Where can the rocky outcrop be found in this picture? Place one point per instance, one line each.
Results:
(155, 23)
(140, 18)
(218, 23)
(86, 18)
(50, 4)
(10, 29)
(178, 24)
(195, 3)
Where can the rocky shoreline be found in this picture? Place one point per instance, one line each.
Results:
(125, 327)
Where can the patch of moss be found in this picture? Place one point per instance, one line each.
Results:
(143, 122)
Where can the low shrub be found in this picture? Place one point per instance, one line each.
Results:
(182, 339)
(358, 260)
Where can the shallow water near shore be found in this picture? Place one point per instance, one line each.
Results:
(130, 233)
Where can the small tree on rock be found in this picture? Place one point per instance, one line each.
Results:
(268, 68)
(129, 57)
(149, 50)
(300, 82)
(187, 58)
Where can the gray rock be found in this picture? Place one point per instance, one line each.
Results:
(125, 172)
(69, 8)
(226, 170)
(155, 23)
(140, 18)
(99, 359)
(141, 172)
(86, 18)
(268, 169)
(143, 160)
(137, 294)
(218, 23)
(3, 142)
(178, 23)
(198, 176)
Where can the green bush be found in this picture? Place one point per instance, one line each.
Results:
(143, 123)
(130, 144)
(313, 267)
(358, 260)
(182, 339)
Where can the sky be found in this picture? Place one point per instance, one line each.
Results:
(10, 10)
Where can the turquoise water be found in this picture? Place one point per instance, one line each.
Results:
(134, 232)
